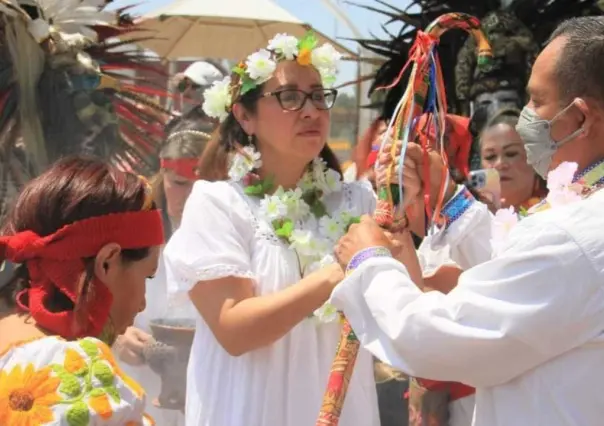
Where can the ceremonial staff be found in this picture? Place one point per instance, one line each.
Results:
(424, 94)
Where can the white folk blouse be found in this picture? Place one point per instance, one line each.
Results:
(221, 235)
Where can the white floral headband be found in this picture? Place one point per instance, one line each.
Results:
(260, 66)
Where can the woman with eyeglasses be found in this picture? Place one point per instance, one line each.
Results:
(254, 253)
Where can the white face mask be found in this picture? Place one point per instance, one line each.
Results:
(535, 133)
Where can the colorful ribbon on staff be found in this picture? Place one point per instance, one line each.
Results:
(425, 93)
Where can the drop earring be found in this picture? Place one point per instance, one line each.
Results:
(250, 140)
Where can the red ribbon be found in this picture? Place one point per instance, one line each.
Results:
(56, 263)
(185, 167)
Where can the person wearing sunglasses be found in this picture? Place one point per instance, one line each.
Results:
(254, 253)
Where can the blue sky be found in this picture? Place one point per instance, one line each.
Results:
(316, 14)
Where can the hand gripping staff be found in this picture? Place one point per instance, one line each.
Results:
(424, 94)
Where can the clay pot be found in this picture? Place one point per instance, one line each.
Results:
(168, 356)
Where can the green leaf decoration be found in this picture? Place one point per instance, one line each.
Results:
(383, 194)
(78, 414)
(82, 372)
(247, 84)
(353, 220)
(309, 41)
(254, 189)
(103, 373)
(89, 347)
(268, 184)
(286, 229)
(239, 71)
(318, 209)
(113, 393)
(70, 385)
(328, 80)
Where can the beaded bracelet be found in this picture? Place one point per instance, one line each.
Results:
(365, 254)
(457, 206)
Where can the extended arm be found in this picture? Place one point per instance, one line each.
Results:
(506, 316)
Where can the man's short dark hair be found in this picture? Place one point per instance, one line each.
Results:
(581, 62)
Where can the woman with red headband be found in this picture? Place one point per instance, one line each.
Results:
(86, 237)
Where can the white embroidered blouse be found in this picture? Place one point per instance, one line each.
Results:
(221, 234)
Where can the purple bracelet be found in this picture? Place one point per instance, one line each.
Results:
(457, 206)
(365, 254)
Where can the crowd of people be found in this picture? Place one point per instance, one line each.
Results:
(249, 232)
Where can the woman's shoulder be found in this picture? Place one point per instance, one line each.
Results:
(219, 191)
(72, 382)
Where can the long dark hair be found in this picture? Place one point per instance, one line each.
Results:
(73, 189)
(230, 134)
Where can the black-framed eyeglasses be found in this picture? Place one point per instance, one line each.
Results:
(295, 99)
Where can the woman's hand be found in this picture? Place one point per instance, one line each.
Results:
(129, 346)
(360, 236)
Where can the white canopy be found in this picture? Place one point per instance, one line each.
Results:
(229, 29)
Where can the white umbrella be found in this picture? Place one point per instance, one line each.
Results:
(230, 29)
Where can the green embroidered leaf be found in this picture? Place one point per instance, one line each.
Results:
(89, 347)
(70, 385)
(318, 209)
(103, 373)
(78, 414)
(59, 370)
(113, 393)
(82, 372)
(96, 392)
(383, 194)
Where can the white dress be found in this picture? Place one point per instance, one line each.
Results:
(282, 384)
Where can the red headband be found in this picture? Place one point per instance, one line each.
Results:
(184, 167)
(55, 262)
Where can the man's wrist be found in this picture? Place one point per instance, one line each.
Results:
(366, 254)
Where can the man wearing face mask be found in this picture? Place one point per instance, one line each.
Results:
(525, 326)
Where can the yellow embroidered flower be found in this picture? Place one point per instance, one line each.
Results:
(304, 57)
(132, 384)
(27, 395)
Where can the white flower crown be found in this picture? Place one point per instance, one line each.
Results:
(260, 66)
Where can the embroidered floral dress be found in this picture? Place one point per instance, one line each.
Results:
(50, 381)
(223, 234)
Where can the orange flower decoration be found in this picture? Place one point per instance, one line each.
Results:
(132, 384)
(74, 362)
(304, 57)
(27, 395)
(102, 406)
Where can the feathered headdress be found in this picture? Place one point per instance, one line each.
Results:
(67, 86)
(517, 30)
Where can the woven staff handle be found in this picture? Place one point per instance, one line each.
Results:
(412, 107)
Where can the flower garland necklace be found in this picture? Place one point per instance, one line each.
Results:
(298, 216)
(564, 187)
